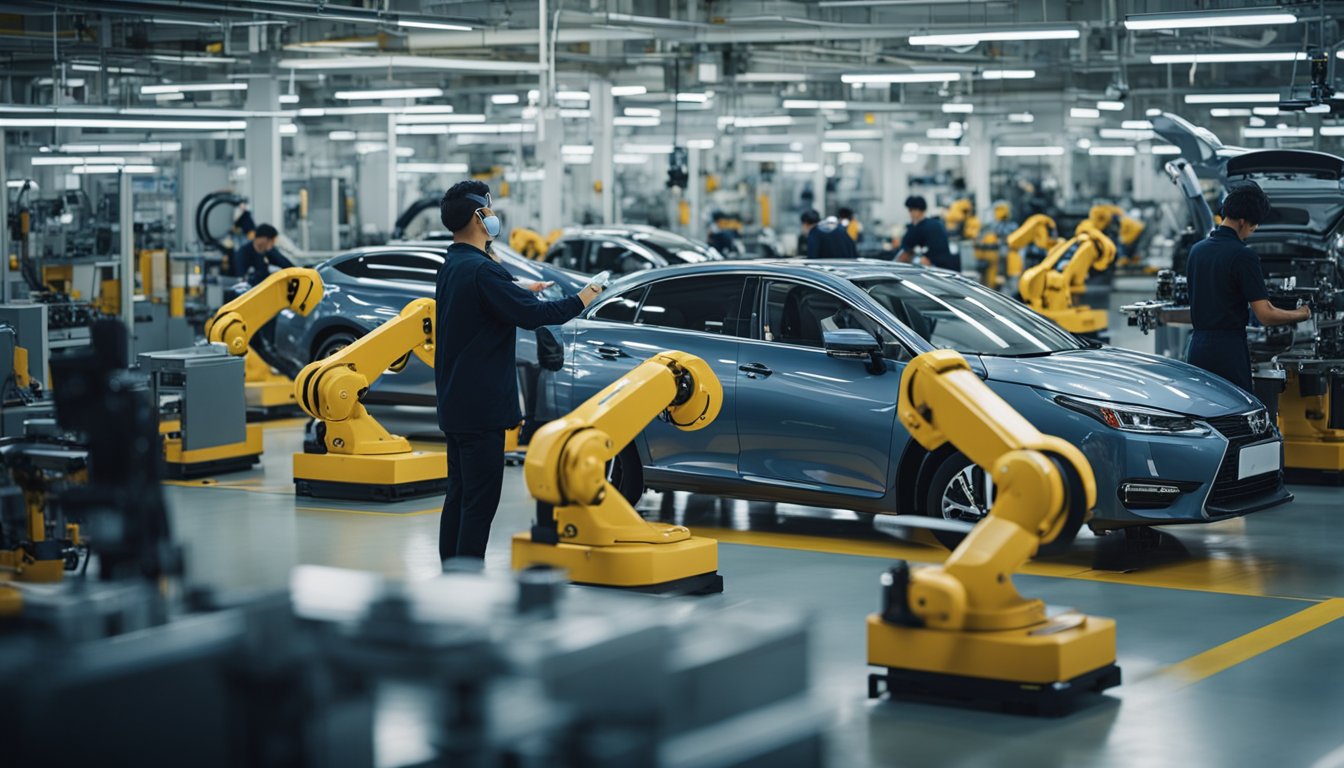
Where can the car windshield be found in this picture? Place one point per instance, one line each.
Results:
(675, 250)
(952, 313)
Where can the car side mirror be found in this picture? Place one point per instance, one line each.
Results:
(854, 344)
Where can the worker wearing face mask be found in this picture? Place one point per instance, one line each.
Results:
(478, 308)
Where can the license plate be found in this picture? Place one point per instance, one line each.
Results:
(1257, 460)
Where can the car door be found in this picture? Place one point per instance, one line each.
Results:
(695, 314)
(392, 280)
(805, 419)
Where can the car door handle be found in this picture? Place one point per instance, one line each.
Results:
(755, 369)
(610, 353)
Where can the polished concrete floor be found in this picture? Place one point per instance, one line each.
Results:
(1233, 654)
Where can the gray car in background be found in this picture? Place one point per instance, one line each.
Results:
(368, 286)
(625, 249)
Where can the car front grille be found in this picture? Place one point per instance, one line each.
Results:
(1227, 489)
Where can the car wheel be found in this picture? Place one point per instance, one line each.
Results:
(332, 343)
(626, 474)
(959, 491)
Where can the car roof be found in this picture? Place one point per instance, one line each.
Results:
(846, 269)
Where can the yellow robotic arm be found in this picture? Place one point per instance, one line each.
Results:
(296, 288)
(961, 219)
(599, 538)
(332, 390)
(963, 623)
(1038, 230)
(1049, 287)
(529, 242)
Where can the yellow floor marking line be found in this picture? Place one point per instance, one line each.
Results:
(416, 513)
(1200, 575)
(251, 486)
(1252, 644)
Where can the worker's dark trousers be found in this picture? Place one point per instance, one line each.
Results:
(1223, 352)
(475, 475)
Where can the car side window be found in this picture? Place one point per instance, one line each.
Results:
(799, 315)
(622, 308)
(403, 267)
(567, 254)
(707, 303)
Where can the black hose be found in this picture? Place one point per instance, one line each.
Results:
(407, 216)
(208, 204)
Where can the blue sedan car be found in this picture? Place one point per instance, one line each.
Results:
(805, 424)
(368, 286)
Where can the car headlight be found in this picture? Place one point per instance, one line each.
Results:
(1134, 418)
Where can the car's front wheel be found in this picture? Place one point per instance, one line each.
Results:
(332, 343)
(961, 491)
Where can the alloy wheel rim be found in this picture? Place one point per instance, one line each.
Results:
(967, 496)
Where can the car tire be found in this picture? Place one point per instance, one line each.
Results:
(626, 473)
(947, 499)
(333, 342)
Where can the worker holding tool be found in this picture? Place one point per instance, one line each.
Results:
(1224, 277)
(478, 307)
(928, 234)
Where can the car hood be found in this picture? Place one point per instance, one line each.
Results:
(1125, 377)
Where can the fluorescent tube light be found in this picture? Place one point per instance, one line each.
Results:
(341, 136)
(835, 146)
(289, 98)
(767, 121)
(1318, 109)
(576, 149)
(1111, 106)
(440, 25)
(944, 133)
(1153, 112)
(109, 70)
(958, 108)
(771, 77)
(1085, 113)
(975, 38)
(643, 112)
(341, 63)
(1125, 134)
(1332, 130)
(1112, 151)
(1265, 111)
(709, 143)
(1166, 149)
(505, 98)
(97, 159)
(82, 122)
(812, 104)
(853, 134)
(902, 77)
(1206, 19)
(1021, 117)
(636, 122)
(431, 167)
(149, 90)
(628, 90)
(694, 98)
(1083, 143)
(1137, 125)
(851, 158)
(576, 159)
(572, 96)
(1256, 122)
(390, 93)
(193, 59)
(488, 129)
(438, 119)
(1008, 74)
(289, 129)
(1277, 132)
(1226, 58)
(1028, 151)
(1225, 112)
(85, 169)
(622, 158)
(800, 167)
(147, 146)
(1232, 98)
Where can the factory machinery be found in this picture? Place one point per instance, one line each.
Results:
(504, 671)
(1297, 370)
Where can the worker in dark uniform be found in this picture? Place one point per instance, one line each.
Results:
(929, 234)
(826, 239)
(1224, 277)
(251, 259)
(478, 308)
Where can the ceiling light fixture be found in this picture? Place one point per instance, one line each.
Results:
(431, 167)
(853, 134)
(390, 93)
(812, 104)
(1111, 106)
(387, 63)
(1205, 19)
(439, 25)
(975, 38)
(289, 98)
(432, 119)
(1332, 130)
(700, 144)
(80, 122)
(1112, 151)
(97, 159)
(85, 169)
(643, 112)
(1226, 112)
(1165, 149)
(1008, 74)
(149, 90)
(1085, 113)
(1028, 151)
(902, 77)
(958, 108)
(771, 77)
(694, 98)
(1021, 117)
(148, 146)
(628, 90)
(1226, 58)
(1278, 132)
(835, 146)
(505, 98)
(572, 96)
(1137, 125)
(1232, 98)
(636, 122)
